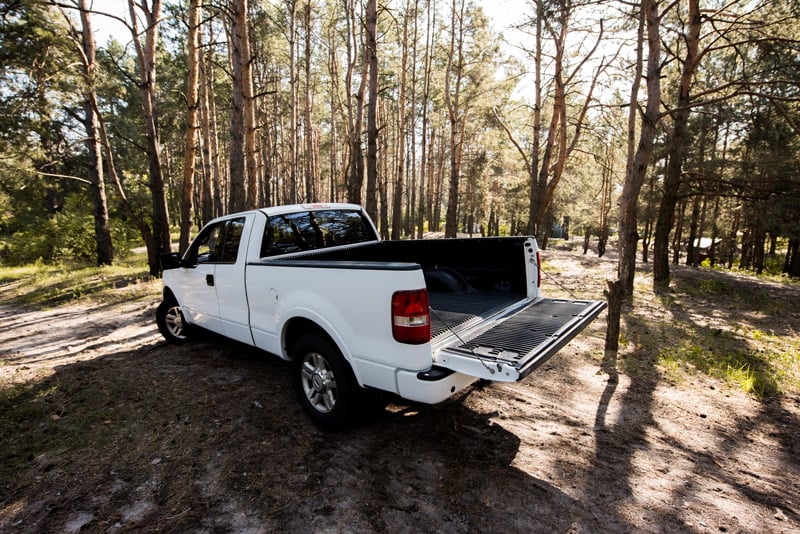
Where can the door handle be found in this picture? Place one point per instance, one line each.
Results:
(210, 280)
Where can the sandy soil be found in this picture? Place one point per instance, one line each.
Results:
(106, 428)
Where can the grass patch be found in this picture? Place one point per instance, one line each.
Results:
(759, 370)
(734, 329)
(41, 285)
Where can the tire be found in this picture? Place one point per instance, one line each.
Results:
(171, 323)
(325, 385)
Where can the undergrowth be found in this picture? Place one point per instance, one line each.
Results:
(735, 348)
(760, 374)
(42, 285)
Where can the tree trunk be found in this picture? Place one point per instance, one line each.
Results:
(211, 135)
(293, 137)
(355, 110)
(732, 236)
(243, 192)
(454, 71)
(759, 243)
(700, 230)
(397, 210)
(312, 185)
(678, 144)
(533, 170)
(436, 197)
(102, 228)
(411, 206)
(712, 251)
(249, 110)
(207, 212)
(792, 264)
(621, 290)
(146, 62)
(192, 126)
(693, 225)
(677, 239)
(587, 236)
(424, 207)
(372, 109)
(646, 235)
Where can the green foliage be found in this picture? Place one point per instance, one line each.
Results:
(745, 369)
(714, 285)
(764, 366)
(65, 236)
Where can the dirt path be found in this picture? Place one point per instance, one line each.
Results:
(104, 427)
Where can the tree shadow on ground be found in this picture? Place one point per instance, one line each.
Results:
(79, 283)
(730, 316)
(697, 474)
(209, 437)
(618, 441)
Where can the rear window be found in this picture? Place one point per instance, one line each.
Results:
(311, 230)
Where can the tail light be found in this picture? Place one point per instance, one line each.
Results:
(411, 319)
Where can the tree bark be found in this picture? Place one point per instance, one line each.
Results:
(355, 110)
(672, 180)
(249, 110)
(312, 185)
(372, 109)
(424, 162)
(621, 290)
(102, 228)
(452, 95)
(192, 126)
(243, 181)
(397, 208)
(146, 62)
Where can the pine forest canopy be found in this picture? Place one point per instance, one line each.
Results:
(419, 110)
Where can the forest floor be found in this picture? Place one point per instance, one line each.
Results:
(106, 428)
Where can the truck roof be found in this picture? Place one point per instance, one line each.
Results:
(316, 206)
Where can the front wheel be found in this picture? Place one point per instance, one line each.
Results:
(171, 323)
(324, 382)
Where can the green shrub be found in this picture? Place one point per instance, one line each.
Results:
(66, 236)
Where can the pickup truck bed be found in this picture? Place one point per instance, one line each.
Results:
(481, 310)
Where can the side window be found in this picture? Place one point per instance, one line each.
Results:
(296, 232)
(287, 233)
(231, 240)
(218, 243)
(205, 248)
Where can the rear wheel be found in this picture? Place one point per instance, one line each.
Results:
(171, 323)
(324, 382)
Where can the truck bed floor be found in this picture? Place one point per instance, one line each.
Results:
(452, 309)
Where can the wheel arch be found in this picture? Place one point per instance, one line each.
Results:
(167, 293)
(297, 327)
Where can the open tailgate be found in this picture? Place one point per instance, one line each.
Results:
(511, 346)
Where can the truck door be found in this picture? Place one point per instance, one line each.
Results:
(199, 285)
(230, 283)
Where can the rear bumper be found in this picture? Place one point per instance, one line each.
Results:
(431, 387)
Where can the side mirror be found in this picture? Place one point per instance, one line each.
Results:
(171, 260)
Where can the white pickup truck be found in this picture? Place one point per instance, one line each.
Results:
(422, 319)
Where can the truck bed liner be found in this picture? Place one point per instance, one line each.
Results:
(449, 310)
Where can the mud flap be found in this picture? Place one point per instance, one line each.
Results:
(514, 345)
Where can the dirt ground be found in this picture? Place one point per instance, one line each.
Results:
(106, 428)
